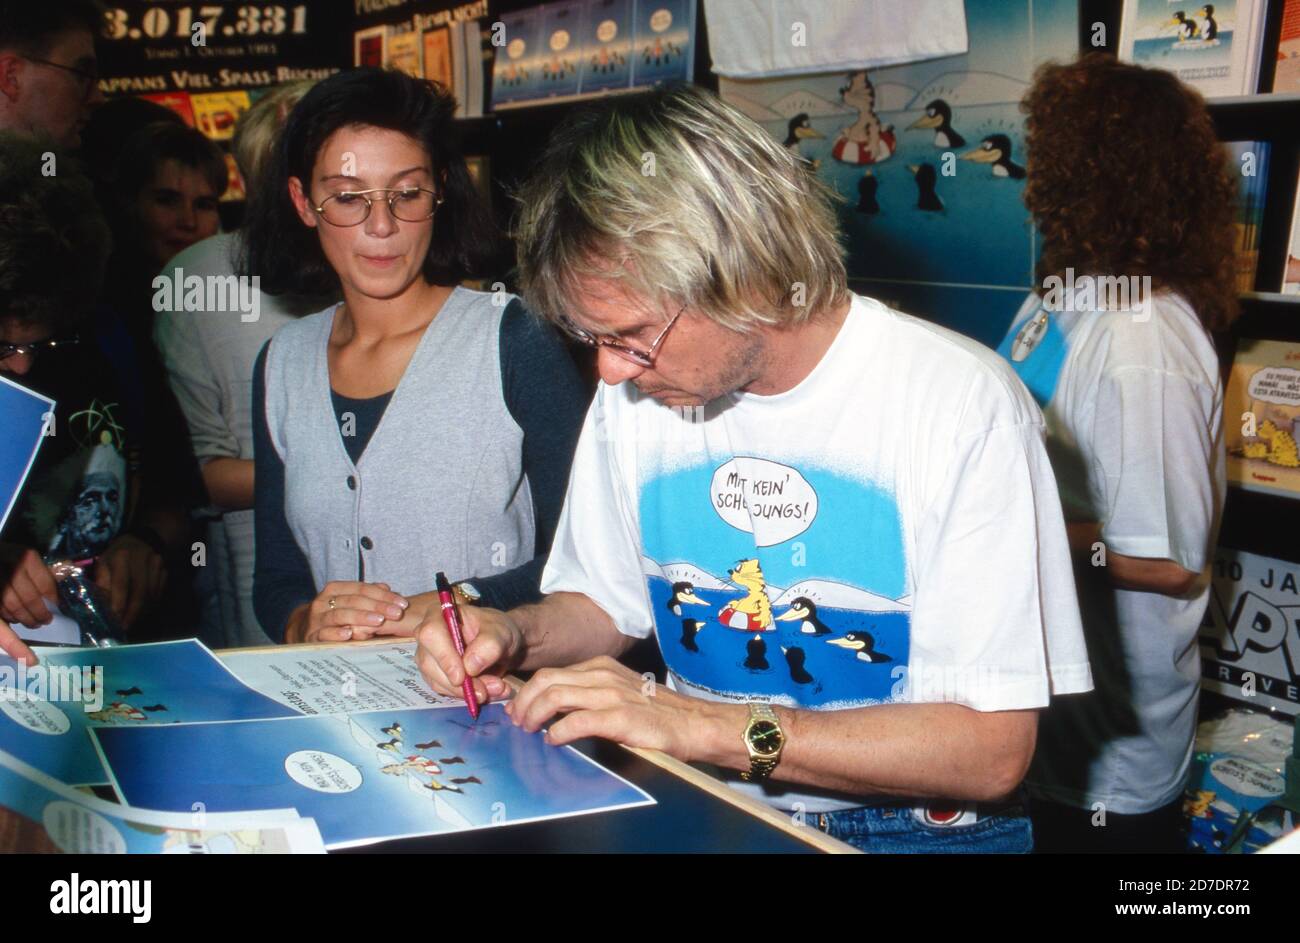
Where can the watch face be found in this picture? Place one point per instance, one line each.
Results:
(765, 737)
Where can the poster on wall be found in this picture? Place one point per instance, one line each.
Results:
(607, 46)
(1262, 417)
(404, 52)
(1250, 636)
(437, 57)
(148, 47)
(215, 114)
(929, 160)
(369, 47)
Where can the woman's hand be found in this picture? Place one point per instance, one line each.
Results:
(345, 611)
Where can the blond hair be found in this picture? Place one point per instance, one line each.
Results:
(685, 201)
(256, 129)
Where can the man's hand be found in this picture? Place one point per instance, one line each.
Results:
(25, 584)
(494, 646)
(13, 646)
(132, 574)
(602, 698)
(345, 611)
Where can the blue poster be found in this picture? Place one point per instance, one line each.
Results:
(78, 823)
(515, 70)
(662, 45)
(928, 159)
(23, 415)
(560, 71)
(46, 710)
(607, 46)
(365, 777)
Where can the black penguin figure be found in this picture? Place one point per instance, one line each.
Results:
(756, 654)
(867, 194)
(794, 657)
(1211, 29)
(690, 628)
(926, 198)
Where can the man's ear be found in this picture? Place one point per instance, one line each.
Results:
(301, 204)
(11, 68)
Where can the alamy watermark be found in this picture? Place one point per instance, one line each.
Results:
(82, 684)
(1129, 294)
(177, 291)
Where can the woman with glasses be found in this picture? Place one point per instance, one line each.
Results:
(416, 426)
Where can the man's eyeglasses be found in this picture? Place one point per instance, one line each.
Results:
(89, 78)
(642, 358)
(352, 207)
(32, 349)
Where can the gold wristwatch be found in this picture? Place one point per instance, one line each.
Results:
(764, 740)
(464, 593)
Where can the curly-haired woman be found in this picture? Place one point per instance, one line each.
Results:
(1133, 196)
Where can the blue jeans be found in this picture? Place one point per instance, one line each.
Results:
(1001, 828)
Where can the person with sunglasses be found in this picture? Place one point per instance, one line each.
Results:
(416, 426)
(844, 533)
(49, 79)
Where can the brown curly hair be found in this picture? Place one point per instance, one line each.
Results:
(1127, 177)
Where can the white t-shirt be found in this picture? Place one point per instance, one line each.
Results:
(1134, 415)
(886, 531)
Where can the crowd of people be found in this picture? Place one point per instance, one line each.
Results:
(300, 475)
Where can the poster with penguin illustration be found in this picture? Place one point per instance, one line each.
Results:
(366, 776)
(928, 159)
(1214, 47)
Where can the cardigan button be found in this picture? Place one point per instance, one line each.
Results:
(367, 543)
(352, 483)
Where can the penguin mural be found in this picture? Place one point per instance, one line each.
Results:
(996, 150)
(926, 178)
(867, 186)
(794, 658)
(804, 611)
(1209, 26)
(1187, 29)
(862, 644)
(756, 654)
(683, 593)
(690, 629)
(865, 141)
(800, 129)
(938, 115)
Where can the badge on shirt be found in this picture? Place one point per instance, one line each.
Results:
(1030, 336)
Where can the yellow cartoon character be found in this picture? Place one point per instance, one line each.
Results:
(1274, 445)
(1199, 807)
(753, 613)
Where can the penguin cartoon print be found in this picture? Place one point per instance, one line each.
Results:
(1187, 28)
(938, 116)
(683, 594)
(862, 643)
(926, 180)
(804, 611)
(867, 187)
(865, 141)
(996, 151)
(798, 130)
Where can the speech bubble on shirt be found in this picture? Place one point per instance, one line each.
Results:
(81, 831)
(322, 772)
(774, 502)
(1278, 385)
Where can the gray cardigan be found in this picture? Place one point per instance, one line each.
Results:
(441, 483)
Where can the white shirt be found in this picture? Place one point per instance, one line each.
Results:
(902, 488)
(1134, 414)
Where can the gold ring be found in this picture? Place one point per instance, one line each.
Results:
(331, 603)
